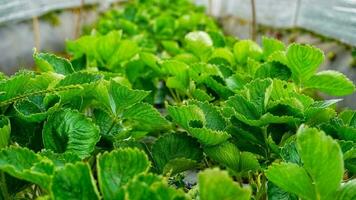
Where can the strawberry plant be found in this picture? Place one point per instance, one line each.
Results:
(157, 103)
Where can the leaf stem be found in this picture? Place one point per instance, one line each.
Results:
(3, 187)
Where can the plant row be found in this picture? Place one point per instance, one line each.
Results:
(156, 102)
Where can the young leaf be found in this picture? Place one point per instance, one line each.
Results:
(216, 184)
(52, 63)
(70, 131)
(74, 181)
(303, 61)
(331, 82)
(116, 168)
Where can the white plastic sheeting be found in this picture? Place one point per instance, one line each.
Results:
(23, 9)
(334, 18)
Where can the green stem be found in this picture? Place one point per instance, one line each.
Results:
(3, 186)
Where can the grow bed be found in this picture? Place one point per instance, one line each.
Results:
(237, 121)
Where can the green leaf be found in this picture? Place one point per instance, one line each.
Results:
(52, 63)
(273, 70)
(258, 92)
(276, 193)
(209, 137)
(24, 164)
(184, 115)
(327, 170)
(116, 97)
(216, 184)
(192, 119)
(347, 190)
(318, 178)
(223, 53)
(178, 74)
(199, 43)
(60, 159)
(13, 86)
(331, 82)
(5, 131)
(303, 61)
(70, 131)
(229, 155)
(241, 105)
(74, 181)
(226, 154)
(271, 45)
(176, 153)
(126, 50)
(145, 117)
(151, 186)
(245, 49)
(117, 168)
(213, 117)
(292, 178)
(107, 44)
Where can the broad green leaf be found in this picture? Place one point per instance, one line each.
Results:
(14, 86)
(74, 181)
(145, 117)
(179, 149)
(245, 49)
(116, 97)
(303, 61)
(70, 131)
(52, 63)
(209, 137)
(60, 159)
(327, 170)
(107, 44)
(109, 126)
(126, 50)
(24, 164)
(229, 155)
(223, 53)
(331, 82)
(184, 115)
(117, 168)
(5, 131)
(241, 105)
(226, 154)
(192, 119)
(292, 178)
(35, 108)
(271, 45)
(213, 117)
(273, 70)
(216, 184)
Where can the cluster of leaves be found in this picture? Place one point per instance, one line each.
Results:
(157, 103)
